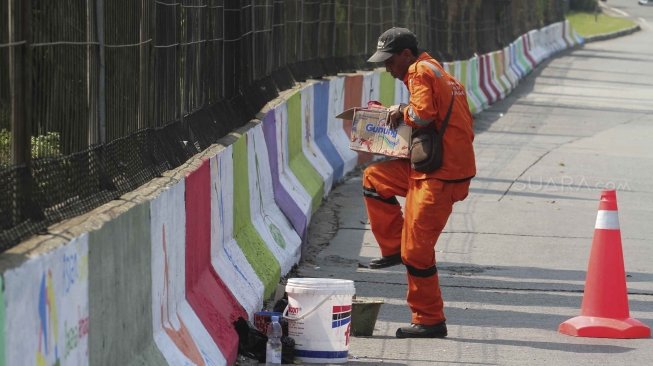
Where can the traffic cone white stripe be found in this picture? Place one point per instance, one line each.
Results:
(608, 220)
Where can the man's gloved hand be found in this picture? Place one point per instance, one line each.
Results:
(396, 115)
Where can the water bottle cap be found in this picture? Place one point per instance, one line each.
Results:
(275, 318)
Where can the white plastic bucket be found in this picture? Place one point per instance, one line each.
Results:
(319, 318)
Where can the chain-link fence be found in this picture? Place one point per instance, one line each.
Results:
(98, 97)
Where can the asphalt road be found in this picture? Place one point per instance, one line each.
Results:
(633, 10)
(513, 257)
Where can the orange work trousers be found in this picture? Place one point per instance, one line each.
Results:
(428, 205)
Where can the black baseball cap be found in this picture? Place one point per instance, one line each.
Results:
(392, 41)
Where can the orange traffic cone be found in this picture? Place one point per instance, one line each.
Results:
(604, 311)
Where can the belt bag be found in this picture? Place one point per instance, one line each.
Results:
(426, 146)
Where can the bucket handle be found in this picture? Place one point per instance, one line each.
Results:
(285, 311)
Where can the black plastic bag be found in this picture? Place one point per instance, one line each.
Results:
(252, 343)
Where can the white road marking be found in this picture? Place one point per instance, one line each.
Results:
(620, 12)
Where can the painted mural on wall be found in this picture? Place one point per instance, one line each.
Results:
(47, 308)
(178, 332)
(273, 226)
(337, 134)
(227, 258)
(312, 152)
(286, 176)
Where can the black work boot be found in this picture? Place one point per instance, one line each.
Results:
(386, 261)
(423, 331)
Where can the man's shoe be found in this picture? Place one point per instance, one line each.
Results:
(423, 331)
(387, 261)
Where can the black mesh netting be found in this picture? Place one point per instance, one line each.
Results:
(99, 97)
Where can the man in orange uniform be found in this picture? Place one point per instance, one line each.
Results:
(429, 196)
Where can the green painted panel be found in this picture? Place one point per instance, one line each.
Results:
(274, 230)
(463, 80)
(299, 164)
(387, 92)
(521, 57)
(149, 356)
(463, 73)
(499, 69)
(256, 251)
(473, 68)
(120, 291)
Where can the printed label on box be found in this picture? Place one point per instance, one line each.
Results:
(370, 133)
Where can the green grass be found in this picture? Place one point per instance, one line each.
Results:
(589, 24)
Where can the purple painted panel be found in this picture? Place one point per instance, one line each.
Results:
(286, 203)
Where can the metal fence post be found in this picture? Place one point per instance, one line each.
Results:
(20, 63)
(102, 82)
(367, 25)
(143, 33)
(105, 181)
(90, 96)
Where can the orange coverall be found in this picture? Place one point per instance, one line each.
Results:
(429, 196)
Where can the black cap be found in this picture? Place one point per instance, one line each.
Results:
(394, 40)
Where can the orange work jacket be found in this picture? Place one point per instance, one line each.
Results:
(431, 89)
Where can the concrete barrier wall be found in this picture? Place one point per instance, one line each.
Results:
(226, 257)
(178, 331)
(275, 229)
(46, 307)
(208, 294)
(335, 128)
(159, 276)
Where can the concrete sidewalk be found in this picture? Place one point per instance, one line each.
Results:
(513, 256)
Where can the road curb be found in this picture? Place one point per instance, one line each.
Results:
(605, 36)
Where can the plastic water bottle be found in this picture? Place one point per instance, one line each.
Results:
(273, 350)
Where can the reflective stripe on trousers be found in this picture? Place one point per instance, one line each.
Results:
(428, 206)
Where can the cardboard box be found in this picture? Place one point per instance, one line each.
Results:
(370, 132)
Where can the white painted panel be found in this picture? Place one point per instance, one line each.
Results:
(560, 36)
(371, 86)
(512, 75)
(227, 258)
(499, 57)
(47, 308)
(335, 128)
(286, 177)
(269, 221)
(475, 82)
(494, 76)
(309, 146)
(457, 70)
(475, 105)
(178, 332)
(401, 92)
